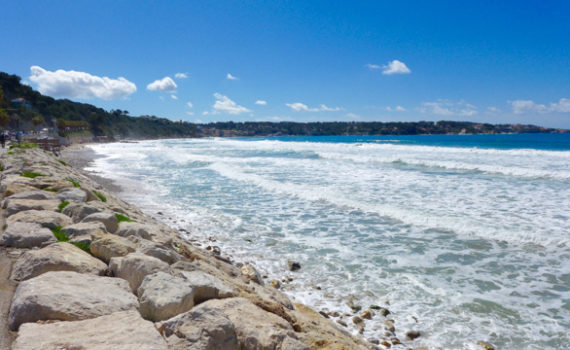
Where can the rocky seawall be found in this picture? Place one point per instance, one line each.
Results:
(81, 269)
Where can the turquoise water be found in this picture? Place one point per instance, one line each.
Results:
(466, 234)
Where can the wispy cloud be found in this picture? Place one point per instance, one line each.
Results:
(189, 104)
(224, 105)
(372, 66)
(301, 107)
(353, 116)
(165, 84)
(231, 77)
(529, 106)
(181, 75)
(73, 84)
(493, 110)
(395, 67)
(447, 108)
(261, 102)
(174, 97)
(395, 109)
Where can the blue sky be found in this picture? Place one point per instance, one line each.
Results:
(490, 61)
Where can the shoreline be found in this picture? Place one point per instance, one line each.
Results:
(246, 290)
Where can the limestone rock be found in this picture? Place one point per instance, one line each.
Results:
(31, 194)
(56, 257)
(158, 251)
(124, 330)
(163, 296)
(72, 194)
(108, 219)
(69, 296)
(14, 206)
(26, 235)
(108, 246)
(254, 327)
(251, 273)
(85, 229)
(206, 286)
(12, 188)
(134, 228)
(79, 211)
(203, 328)
(49, 219)
(135, 267)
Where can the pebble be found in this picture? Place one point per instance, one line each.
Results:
(324, 314)
(334, 314)
(386, 344)
(276, 284)
(384, 312)
(367, 314)
(357, 320)
(395, 341)
(374, 341)
(342, 323)
(294, 266)
(485, 345)
(412, 335)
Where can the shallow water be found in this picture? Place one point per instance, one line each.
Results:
(468, 235)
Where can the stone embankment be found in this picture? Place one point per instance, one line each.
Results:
(81, 269)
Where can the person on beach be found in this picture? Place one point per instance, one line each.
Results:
(3, 140)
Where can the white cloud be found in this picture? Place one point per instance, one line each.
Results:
(181, 75)
(493, 109)
(353, 116)
(395, 67)
(529, 106)
(189, 104)
(372, 66)
(190, 113)
(301, 107)
(396, 109)
(224, 105)
(447, 108)
(231, 77)
(174, 97)
(165, 84)
(73, 84)
(261, 102)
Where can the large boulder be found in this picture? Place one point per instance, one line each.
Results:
(14, 206)
(30, 194)
(135, 267)
(56, 257)
(72, 194)
(12, 188)
(134, 229)
(206, 286)
(79, 211)
(156, 250)
(202, 328)
(108, 219)
(26, 235)
(163, 296)
(124, 330)
(69, 296)
(108, 246)
(49, 219)
(93, 229)
(254, 328)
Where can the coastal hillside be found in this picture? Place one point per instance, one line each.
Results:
(23, 108)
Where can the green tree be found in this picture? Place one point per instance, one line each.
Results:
(4, 117)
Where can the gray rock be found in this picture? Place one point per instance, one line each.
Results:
(156, 250)
(251, 273)
(108, 219)
(26, 235)
(14, 206)
(56, 257)
(79, 211)
(31, 194)
(108, 246)
(124, 330)
(135, 267)
(49, 219)
(134, 229)
(163, 296)
(202, 328)
(69, 296)
(72, 194)
(13, 188)
(206, 286)
(94, 229)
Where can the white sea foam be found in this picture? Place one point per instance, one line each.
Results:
(471, 242)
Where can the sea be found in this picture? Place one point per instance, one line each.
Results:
(464, 238)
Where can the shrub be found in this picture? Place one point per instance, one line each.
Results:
(31, 175)
(63, 205)
(60, 236)
(100, 196)
(121, 218)
(75, 183)
(62, 162)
